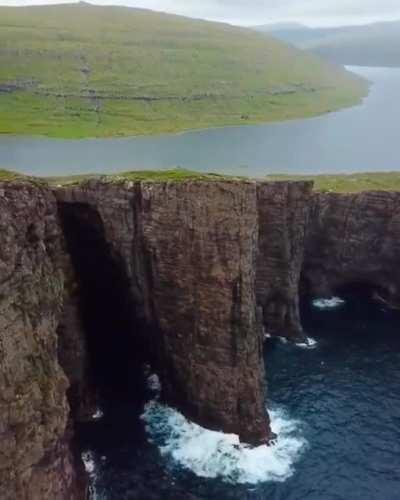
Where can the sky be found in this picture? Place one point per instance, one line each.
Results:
(252, 12)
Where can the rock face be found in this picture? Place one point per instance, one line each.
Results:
(354, 240)
(283, 209)
(201, 244)
(189, 251)
(35, 457)
(186, 276)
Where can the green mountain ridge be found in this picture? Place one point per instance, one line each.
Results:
(376, 44)
(79, 70)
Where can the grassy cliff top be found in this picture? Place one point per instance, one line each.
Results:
(79, 70)
(351, 183)
(8, 175)
(172, 175)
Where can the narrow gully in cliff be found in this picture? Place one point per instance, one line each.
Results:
(113, 335)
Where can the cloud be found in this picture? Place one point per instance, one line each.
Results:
(245, 12)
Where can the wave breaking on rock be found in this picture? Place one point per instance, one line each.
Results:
(212, 454)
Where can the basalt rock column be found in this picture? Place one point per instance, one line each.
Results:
(354, 239)
(282, 217)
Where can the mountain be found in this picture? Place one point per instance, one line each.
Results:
(375, 44)
(78, 70)
(267, 28)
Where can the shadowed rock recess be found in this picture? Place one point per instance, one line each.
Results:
(98, 280)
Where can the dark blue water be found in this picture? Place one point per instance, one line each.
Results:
(344, 394)
(358, 139)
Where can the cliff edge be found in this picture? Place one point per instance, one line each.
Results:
(36, 460)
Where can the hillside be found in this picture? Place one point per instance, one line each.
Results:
(80, 70)
(375, 44)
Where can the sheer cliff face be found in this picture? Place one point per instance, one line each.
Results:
(354, 239)
(283, 209)
(200, 242)
(192, 271)
(35, 459)
(189, 250)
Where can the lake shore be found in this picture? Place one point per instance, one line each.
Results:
(358, 139)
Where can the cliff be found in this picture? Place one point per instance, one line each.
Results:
(99, 279)
(188, 251)
(283, 209)
(354, 241)
(36, 461)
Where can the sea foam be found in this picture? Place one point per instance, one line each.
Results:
(98, 414)
(332, 303)
(92, 464)
(213, 454)
(309, 343)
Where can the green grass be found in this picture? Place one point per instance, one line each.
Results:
(172, 175)
(178, 174)
(8, 175)
(79, 70)
(352, 183)
(69, 180)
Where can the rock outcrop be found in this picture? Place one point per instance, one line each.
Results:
(283, 209)
(36, 460)
(189, 251)
(354, 240)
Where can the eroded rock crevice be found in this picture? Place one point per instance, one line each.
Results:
(112, 334)
(283, 211)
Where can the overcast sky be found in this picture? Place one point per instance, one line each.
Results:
(247, 12)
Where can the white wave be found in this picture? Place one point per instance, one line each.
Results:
(332, 303)
(213, 454)
(89, 462)
(309, 343)
(97, 414)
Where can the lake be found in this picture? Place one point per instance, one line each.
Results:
(358, 139)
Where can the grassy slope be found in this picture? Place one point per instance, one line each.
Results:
(80, 70)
